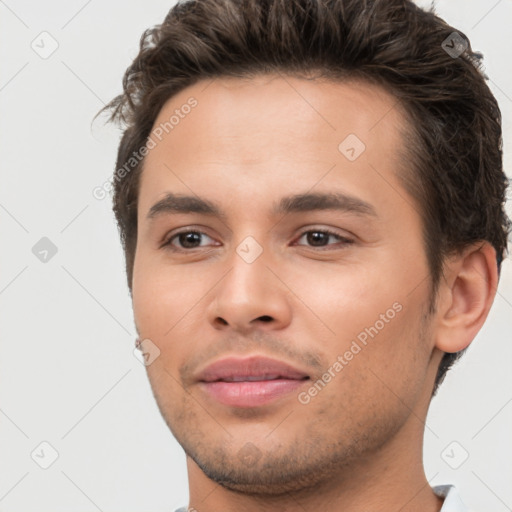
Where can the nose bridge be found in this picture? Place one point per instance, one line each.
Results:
(248, 279)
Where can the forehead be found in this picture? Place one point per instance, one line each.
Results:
(267, 103)
(289, 131)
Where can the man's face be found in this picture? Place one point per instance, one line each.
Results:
(345, 311)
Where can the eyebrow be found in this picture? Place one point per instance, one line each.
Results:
(177, 203)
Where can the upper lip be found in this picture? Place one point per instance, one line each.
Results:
(249, 368)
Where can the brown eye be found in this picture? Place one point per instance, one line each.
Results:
(321, 237)
(186, 240)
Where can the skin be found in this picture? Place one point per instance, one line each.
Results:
(357, 444)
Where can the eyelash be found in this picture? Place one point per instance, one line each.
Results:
(168, 244)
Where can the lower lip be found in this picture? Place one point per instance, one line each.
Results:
(250, 393)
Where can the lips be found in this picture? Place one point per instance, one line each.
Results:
(252, 368)
(250, 382)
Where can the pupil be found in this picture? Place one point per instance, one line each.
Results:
(315, 236)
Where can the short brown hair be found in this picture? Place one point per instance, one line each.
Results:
(456, 172)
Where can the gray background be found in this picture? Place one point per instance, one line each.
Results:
(68, 375)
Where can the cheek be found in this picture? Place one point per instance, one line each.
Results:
(374, 322)
(348, 299)
(376, 380)
(162, 296)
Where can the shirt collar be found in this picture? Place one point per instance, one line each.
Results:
(452, 501)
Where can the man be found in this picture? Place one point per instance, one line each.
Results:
(310, 198)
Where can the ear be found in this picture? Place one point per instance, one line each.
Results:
(465, 296)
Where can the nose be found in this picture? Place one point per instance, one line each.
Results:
(250, 296)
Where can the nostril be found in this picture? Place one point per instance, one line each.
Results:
(266, 318)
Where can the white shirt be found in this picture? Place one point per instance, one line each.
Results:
(452, 501)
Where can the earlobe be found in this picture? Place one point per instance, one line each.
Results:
(466, 296)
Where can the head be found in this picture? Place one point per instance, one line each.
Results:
(244, 104)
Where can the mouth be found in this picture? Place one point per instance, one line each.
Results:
(249, 378)
(250, 382)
